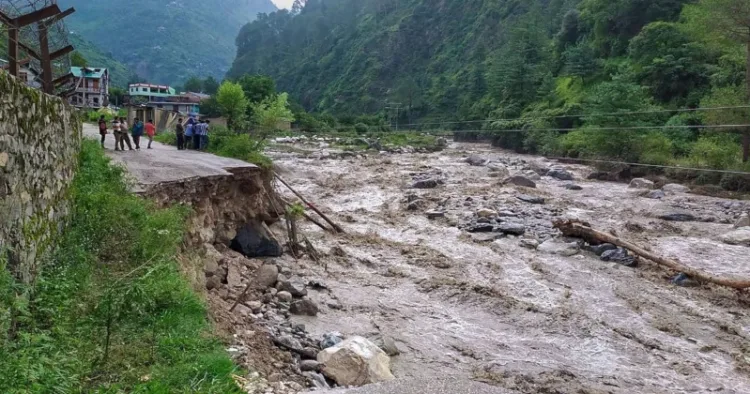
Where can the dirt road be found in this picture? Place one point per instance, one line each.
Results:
(474, 306)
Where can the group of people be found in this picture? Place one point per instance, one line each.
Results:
(192, 134)
(120, 130)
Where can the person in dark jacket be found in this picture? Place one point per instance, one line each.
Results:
(102, 128)
(137, 132)
(179, 130)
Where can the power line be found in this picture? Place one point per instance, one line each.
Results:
(583, 116)
(651, 165)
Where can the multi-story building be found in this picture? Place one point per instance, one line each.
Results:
(91, 87)
(27, 73)
(163, 97)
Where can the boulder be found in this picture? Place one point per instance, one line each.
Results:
(389, 346)
(429, 183)
(477, 161)
(511, 228)
(294, 287)
(234, 276)
(600, 249)
(529, 243)
(356, 362)
(213, 282)
(561, 174)
(641, 183)
(683, 280)
(553, 246)
(284, 296)
(305, 307)
(480, 228)
(309, 365)
(432, 215)
(743, 221)
(655, 194)
(572, 186)
(737, 237)
(619, 256)
(486, 213)
(331, 339)
(530, 199)
(677, 217)
(675, 188)
(519, 180)
(267, 275)
(288, 342)
(498, 170)
(254, 240)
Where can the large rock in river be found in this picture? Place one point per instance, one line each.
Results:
(737, 237)
(253, 240)
(356, 362)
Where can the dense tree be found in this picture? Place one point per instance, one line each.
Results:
(269, 113)
(233, 103)
(665, 60)
(116, 96)
(257, 88)
(77, 60)
(210, 86)
(193, 84)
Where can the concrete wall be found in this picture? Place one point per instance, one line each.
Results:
(40, 138)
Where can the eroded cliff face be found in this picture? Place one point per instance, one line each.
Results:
(222, 204)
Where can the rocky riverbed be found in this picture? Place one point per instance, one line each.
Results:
(451, 265)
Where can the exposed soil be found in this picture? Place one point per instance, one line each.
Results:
(490, 308)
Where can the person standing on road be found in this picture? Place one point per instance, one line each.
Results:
(124, 137)
(179, 131)
(137, 132)
(204, 134)
(197, 129)
(150, 132)
(102, 129)
(189, 132)
(116, 126)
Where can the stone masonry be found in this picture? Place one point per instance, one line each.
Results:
(40, 138)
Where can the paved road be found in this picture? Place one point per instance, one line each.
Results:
(425, 386)
(165, 163)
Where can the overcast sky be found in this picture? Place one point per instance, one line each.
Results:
(283, 3)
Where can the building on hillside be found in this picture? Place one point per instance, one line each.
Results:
(27, 73)
(91, 87)
(163, 97)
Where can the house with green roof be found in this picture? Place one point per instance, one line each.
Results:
(91, 87)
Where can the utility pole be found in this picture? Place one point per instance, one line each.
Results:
(397, 107)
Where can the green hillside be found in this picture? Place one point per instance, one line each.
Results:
(166, 42)
(120, 74)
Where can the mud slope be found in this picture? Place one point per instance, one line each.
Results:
(470, 306)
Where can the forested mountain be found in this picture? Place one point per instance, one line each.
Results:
(166, 41)
(469, 59)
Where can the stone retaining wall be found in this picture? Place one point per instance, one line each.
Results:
(40, 138)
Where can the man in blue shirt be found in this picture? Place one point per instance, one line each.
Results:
(189, 132)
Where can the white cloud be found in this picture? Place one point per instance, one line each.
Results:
(283, 3)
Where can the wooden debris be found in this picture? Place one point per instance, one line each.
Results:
(575, 228)
(335, 226)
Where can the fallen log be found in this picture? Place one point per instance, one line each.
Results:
(316, 210)
(578, 229)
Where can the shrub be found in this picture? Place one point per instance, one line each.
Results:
(656, 148)
(361, 128)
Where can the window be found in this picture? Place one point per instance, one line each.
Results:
(96, 100)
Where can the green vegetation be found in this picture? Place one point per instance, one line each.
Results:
(233, 104)
(165, 42)
(563, 76)
(110, 311)
(89, 54)
(226, 143)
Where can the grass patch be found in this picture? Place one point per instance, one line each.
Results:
(110, 312)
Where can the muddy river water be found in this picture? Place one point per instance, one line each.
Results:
(496, 309)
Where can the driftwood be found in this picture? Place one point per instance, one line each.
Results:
(311, 219)
(329, 221)
(241, 296)
(574, 228)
